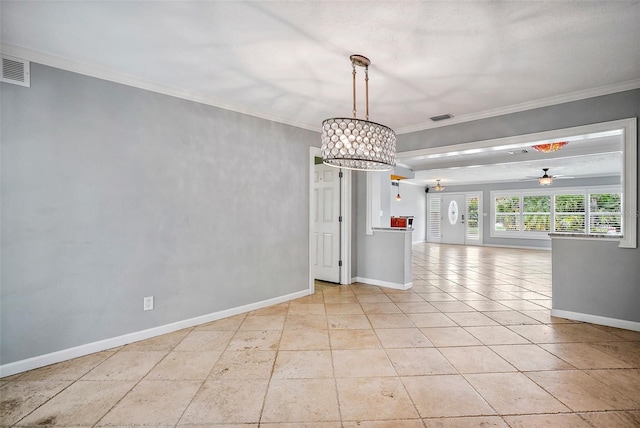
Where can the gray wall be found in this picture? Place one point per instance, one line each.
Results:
(486, 190)
(380, 256)
(111, 193)
(618, 265)
(622, 105)
(603, 294)
(413, 203)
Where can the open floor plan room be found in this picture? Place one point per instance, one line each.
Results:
(471, 344)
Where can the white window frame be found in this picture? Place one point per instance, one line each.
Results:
(523, 213)
(467, 239)
(572, 191)
(431, 237)
(521, 193)
(598, 190)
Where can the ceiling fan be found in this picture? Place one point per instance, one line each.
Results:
(546, 179)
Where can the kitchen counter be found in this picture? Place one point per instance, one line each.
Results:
(392, 229)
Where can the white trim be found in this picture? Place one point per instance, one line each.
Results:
(530, 105)
(596, 319)
(480, 240)
(629, 182)
(102, 345)
(345, 227)
(387, 284)
(576, 236)
(373, 209)
(522, 247)
(313, 152)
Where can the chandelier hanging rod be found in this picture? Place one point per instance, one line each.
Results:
(361, 61)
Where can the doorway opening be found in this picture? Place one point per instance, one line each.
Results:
(454, 218)
(329, 222)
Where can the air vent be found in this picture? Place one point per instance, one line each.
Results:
(15, 70)
(441, 117)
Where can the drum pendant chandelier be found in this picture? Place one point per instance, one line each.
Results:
(356, 143)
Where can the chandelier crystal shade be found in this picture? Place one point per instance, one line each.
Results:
(438, 187)
(354, 143)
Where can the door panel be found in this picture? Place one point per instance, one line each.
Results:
(326, 223)
(453, 219)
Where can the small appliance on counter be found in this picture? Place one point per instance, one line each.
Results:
(402, 221)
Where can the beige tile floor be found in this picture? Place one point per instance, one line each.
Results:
(471, 344)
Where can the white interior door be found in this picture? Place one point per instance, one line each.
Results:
(453, 219)
(326, 245)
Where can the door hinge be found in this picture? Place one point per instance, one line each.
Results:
(340, 219)
(340, 174)
(340, 263)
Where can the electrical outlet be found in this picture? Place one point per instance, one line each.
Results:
(148, 303)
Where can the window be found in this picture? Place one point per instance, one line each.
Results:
(527, 214)
(570, 213)
(433, 231)
(605, 214)
(473, 225)
(507, 210)
(537, 213)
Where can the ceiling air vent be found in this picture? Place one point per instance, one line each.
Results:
(441, 117)
(15, 70)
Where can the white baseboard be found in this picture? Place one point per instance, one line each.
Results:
(520, 247)
(113, 342)
(395, 285)
(596, 319)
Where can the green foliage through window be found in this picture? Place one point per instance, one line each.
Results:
(572, 213)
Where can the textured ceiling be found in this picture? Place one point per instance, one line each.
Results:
(288, 61)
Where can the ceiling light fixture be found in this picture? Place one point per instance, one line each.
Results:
(550, 147)
(545, 180)
(356, 143)
(398, 197)
(438, 187)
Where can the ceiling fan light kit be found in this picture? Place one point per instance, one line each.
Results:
(358, 144)
(546, 179)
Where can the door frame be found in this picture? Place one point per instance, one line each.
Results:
(466, 195)
(345, 225)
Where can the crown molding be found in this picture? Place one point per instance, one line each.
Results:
(125, 79)
(529, 105)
